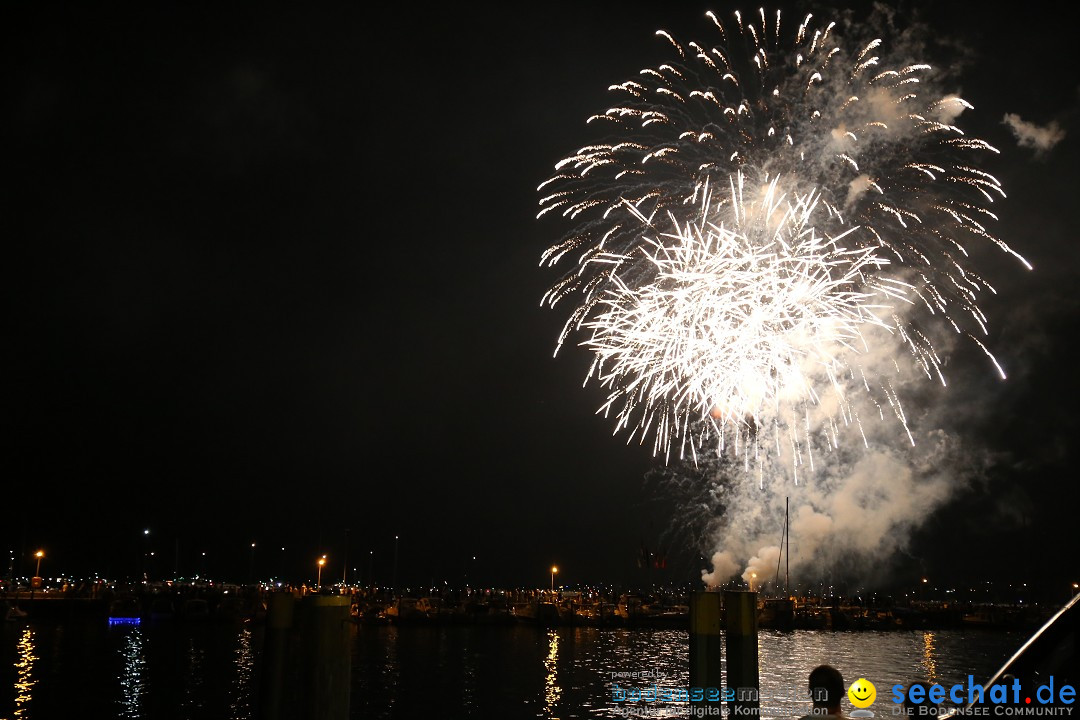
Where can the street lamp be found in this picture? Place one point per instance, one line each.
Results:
(145, 550)
(35, 582)
(554, 570)
(318, 582)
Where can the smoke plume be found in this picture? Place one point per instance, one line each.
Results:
(1030, 135)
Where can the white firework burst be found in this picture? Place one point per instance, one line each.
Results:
(737, 321)
(740, 309)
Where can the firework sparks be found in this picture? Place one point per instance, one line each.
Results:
(850, 197)
(735, 321)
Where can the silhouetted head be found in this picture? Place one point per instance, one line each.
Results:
(826, 687)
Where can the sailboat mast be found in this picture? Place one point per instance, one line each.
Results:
(787, 557)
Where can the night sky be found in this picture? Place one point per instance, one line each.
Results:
(272, 276)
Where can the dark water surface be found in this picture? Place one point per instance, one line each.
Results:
(196, 671)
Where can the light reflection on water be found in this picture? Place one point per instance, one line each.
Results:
(133, 672)
(568, 672)
(785, 659)
(209, 672)
(552, 691)
(240, 704)
(929, 657)
(24, 673)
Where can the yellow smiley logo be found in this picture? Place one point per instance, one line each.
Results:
(862, 693)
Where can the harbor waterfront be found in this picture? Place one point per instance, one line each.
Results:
(202, 659)
(657, 607)
(210, 670)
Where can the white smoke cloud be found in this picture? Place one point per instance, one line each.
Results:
(856, 188)
(1030, 135)
(849, 516)
(761, 568)
(724, 567)
(812, 528)
(859, 504)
